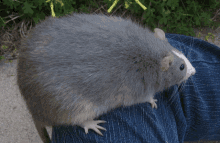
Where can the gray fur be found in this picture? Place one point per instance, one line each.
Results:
(80, 66)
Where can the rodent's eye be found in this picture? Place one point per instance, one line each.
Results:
(182, 67)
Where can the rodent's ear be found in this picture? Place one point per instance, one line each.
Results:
(167, 61)
(159, 34)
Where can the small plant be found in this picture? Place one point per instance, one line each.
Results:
(2, 57)
(209, 35)
(4, 47)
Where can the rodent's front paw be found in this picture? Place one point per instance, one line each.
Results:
(93, 125)
(153, 104)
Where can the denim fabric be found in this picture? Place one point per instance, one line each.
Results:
(188, 113)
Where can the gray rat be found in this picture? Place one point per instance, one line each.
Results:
(75, 68)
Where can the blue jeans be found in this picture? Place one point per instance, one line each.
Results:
(188, 113)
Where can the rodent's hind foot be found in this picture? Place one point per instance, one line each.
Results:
(93, 125)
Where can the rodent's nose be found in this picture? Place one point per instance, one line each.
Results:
(193, 71)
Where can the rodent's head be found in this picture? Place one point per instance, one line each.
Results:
(175, 66)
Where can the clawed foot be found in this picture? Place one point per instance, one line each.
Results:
(93, 125)
(153, 104)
